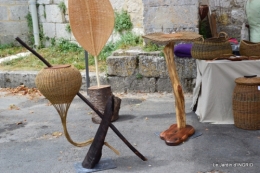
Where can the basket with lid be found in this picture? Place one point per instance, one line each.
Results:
(246, 103)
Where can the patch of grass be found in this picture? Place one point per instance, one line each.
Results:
(150, 47)
(129, 39)
(10, 49)
(63, 52)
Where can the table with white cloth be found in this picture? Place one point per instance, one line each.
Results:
(215, 83)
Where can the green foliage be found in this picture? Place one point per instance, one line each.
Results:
(30, 28)
(9, 49)
(150, 47)
(122, 21)
(6, 46)
(53, 42)
(44, 12)
(127, 40)
(42, 36)
(63, 45)
(204, 29)
(139, 76)
(30, 32)
(68, 29)
(62, 7)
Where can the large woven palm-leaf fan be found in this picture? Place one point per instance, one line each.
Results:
(92, 22)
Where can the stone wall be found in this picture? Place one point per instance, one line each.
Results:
(147, 16)
(128, 72)
(12, 20)
(233, 11)
(170, 15)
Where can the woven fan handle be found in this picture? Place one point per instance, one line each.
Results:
(224, 34)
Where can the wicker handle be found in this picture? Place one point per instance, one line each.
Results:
(202, 39)
(224, 34)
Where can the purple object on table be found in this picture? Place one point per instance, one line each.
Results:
(183, 50)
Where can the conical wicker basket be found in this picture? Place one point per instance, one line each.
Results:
(246, 103)
(248, 48)
(59, 84)
(212, 48)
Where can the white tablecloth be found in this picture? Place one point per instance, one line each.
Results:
(215, 85)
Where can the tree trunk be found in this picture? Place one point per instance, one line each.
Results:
(98, 97)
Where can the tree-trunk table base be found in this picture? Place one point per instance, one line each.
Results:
(175, 136)
(98, 97)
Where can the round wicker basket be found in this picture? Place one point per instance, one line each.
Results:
(248, 48)
(246, 103)
(59, 84)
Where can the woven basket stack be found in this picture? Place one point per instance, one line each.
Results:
(246, 103)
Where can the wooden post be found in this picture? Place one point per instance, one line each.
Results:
(176, 133)
(177, 89)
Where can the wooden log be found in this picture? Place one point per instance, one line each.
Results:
(98, 97)
(95, 151)
(177, 89)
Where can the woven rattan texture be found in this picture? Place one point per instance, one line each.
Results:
(59, 85)
(248, 81)
(248, 48)
(211, 48)
(246, 107)
(162, 39)
(92, 22)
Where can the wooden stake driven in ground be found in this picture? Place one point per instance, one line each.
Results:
(176, 133)
(91, 22)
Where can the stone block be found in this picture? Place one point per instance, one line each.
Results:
(57, 1)
(144, 85)
(238, 16)
(6, 39)
(121, 65)
(21, 2)
(152, 66)
(2, 79)
(30, 83)
(186, 67)
(42, 13)
(117, 83)
(13, 28)
(61, 31)
(7, 2)
(3, 13)
(54, 14)
(18, 13)
(14, 79)
(44, 2)
(49, 29)
(117, 4)
(168, 16)
(164, 85)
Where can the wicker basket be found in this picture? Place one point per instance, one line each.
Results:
(248, 48)
(59, 84)
(212, 48)
(246, 103)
